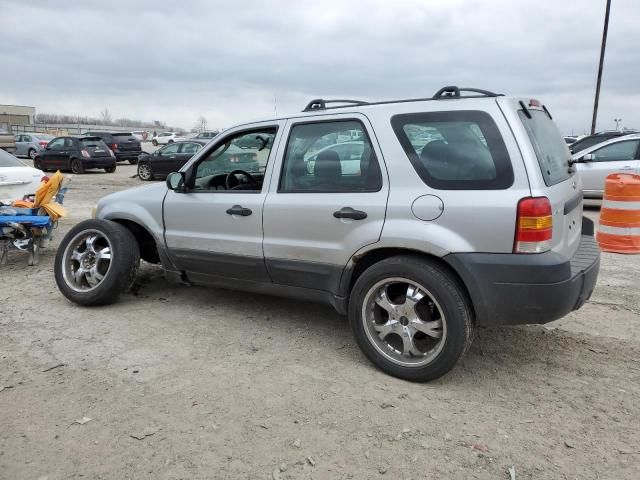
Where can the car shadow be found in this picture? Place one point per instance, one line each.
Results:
(497, 353)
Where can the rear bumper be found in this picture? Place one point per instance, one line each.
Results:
(508, 289)
(120, 156)
(99, 162)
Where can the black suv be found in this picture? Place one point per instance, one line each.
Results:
(76, 154)
(124, 145)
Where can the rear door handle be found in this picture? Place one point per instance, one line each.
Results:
(348, 212)
(239, 210)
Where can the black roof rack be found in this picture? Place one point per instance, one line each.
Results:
(321, 104)
(454, 92)
(444, 93)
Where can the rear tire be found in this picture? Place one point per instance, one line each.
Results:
(76, 166)
(411, 318)
(32, 154)
(170, 141)
(154, 143)
(96, 262)
(133, 161)
(37, 163)
(145, 172)
(110, 169)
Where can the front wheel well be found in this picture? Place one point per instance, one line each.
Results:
(361, 263)
(146, 242)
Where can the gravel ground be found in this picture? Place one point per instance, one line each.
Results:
(183, 382)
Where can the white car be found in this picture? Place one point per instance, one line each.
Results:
(140, 135)
(167, 137)
(16, 178)
(621, 154)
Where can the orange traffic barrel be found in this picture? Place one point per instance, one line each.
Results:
(619, 229)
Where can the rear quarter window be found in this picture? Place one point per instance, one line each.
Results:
(460, 150)
(551, 150)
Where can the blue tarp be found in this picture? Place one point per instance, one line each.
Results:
(26, 220)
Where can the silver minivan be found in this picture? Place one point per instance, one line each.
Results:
(445, 213)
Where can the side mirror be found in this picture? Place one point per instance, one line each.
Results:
(589, 157)
(176, 182)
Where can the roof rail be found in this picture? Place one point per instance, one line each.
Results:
(454, 92)
(321, 104)
(442, 94)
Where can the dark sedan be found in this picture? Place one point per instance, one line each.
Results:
(167, 159)
(76, 154)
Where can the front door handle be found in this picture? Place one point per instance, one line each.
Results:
(239, 210)
(348, 212)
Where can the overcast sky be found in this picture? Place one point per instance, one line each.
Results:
(236, 60)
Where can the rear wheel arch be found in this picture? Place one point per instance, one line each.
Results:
(360, 263)
(146, 241)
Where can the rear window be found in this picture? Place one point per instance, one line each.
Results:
(93, 143)
(588, 142)
(551, 150)
(461, 150)
(122, 136)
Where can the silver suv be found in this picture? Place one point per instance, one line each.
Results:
(420, 219)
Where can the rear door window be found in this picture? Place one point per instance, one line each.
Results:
(617, 152)
(322, 158)
(460, 150)
(551, 150)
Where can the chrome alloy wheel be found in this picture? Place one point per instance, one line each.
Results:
(404, 322)
(86, 260)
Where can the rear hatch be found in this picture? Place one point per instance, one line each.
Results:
(126, 142)
(95, 147)
(546, 151)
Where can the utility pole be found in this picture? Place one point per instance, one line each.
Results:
(602, 48)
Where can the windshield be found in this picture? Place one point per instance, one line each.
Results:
(551, 150)
(8, 160)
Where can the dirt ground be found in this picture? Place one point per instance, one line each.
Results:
(198, 383)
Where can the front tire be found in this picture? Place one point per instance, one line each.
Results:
(37, 163)
(154, 143)
(76, 166)
(145, 172)
(133, 161)
(110, 169)
(96, 262)
(411, 318)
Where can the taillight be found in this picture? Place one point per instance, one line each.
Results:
(534, 103)
(534, 226)
(114, 146)
(85, 154)
(43, 143)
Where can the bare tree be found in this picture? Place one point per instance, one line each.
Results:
(105, 116)
(201, 124)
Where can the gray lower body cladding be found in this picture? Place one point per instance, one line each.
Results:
(508, 289)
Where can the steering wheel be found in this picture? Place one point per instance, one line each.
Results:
(232, 175)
